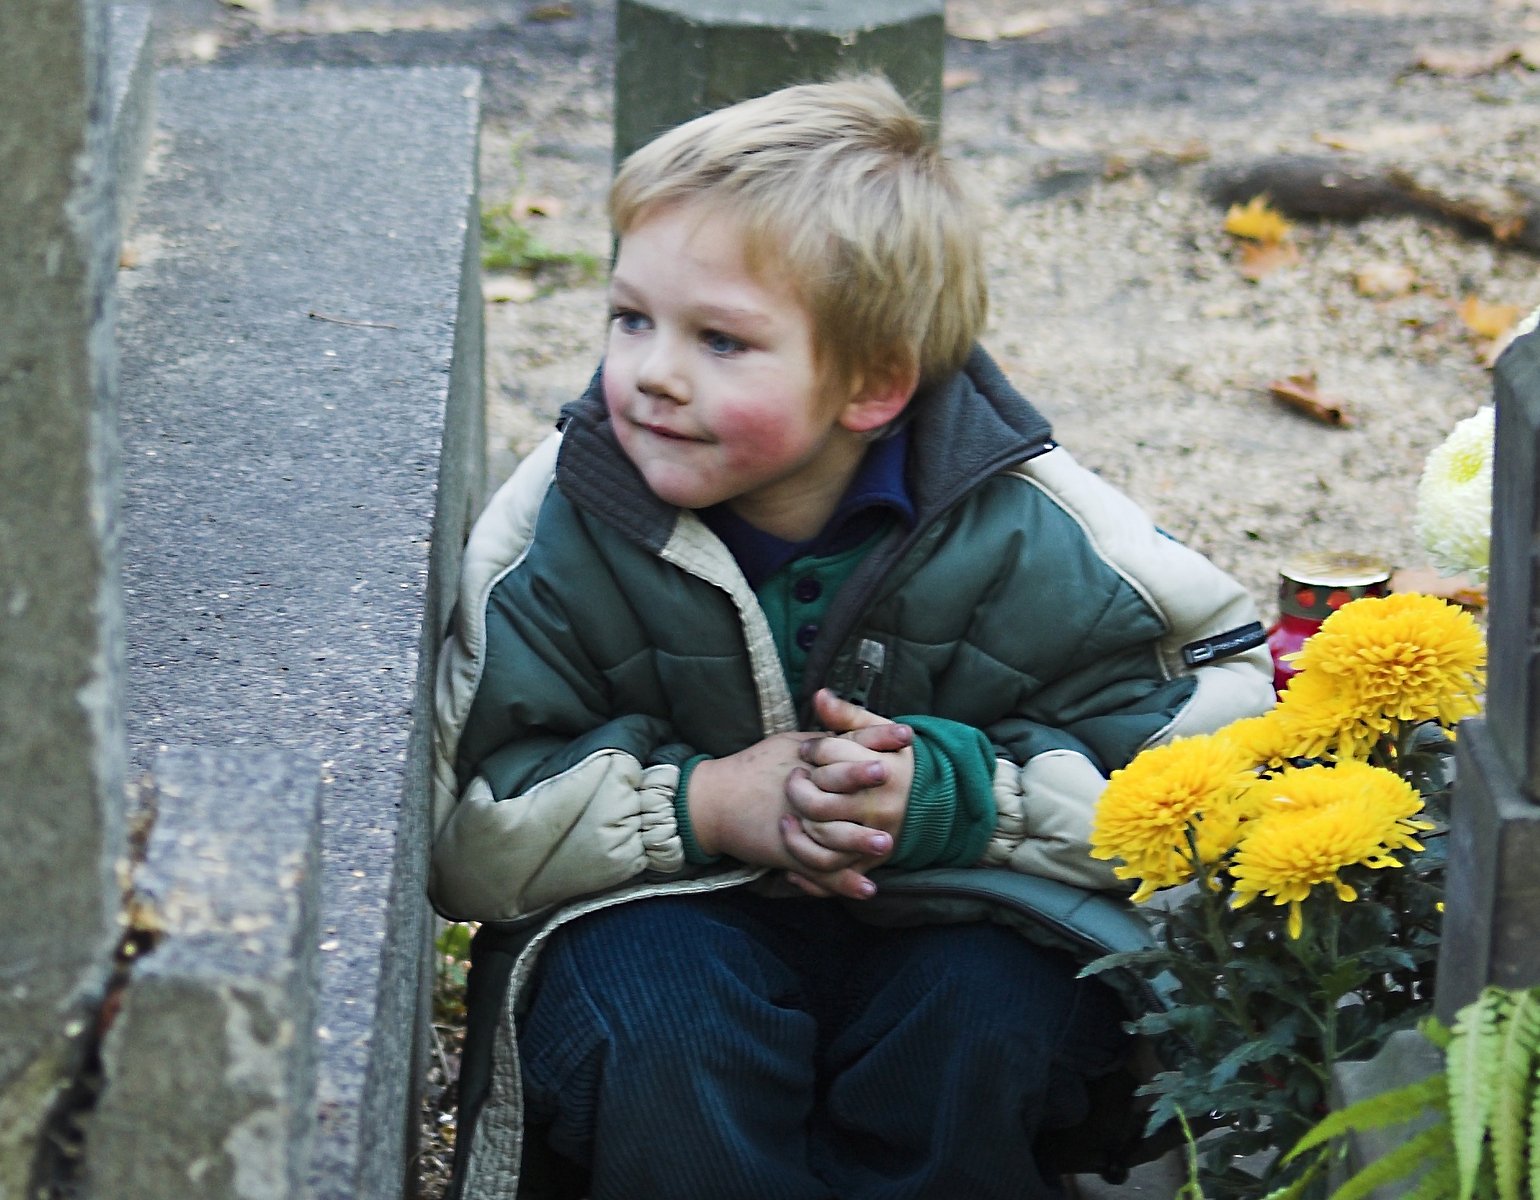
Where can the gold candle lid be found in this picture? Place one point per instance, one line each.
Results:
(1316, 585)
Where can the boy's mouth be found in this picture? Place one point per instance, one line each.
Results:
(666, 433)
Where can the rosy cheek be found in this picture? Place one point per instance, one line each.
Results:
(758, 432)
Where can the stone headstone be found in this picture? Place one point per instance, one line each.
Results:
(677, 59)
(61, 741)
(1492, 909)
(210, 1059)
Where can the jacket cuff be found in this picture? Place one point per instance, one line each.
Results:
(692, 851)
(951, 812)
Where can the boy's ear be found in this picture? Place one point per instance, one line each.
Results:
(878, 399)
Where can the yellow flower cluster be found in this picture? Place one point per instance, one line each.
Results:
(1232, 806)
(1377, 664)
(1310, 822)
(1149, 807)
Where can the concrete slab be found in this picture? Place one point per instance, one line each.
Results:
(302, 423)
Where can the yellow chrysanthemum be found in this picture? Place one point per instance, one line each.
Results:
(1311, 822)
(1380, 661)
(1265, 741)
(1144, 813)
(1454, 498)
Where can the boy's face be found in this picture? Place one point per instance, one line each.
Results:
(711, 379)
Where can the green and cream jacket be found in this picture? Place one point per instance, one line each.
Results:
(603, 638)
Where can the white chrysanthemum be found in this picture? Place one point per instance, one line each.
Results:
(1454, 498)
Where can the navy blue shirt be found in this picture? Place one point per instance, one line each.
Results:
(878, 490)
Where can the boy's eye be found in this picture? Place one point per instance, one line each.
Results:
(629, 321)
(721, 343)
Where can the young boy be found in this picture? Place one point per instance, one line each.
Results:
(802, 589)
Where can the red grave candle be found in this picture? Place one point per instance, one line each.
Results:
(1310, 589)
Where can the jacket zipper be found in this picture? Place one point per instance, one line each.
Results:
(871, 655)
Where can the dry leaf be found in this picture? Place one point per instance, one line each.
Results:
(508, 289)
(128, 256)
(522, 206)
(1457, 589)
(1256, 221)
(1379, 138)
(559, 11)
(974, 27)
(1260, 259)
(1464, 63)
(1488, 320)
(1385, 280)
(1300, 392)
(1025, 25)
(958, 78)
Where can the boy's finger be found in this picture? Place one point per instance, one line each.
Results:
(850, 884)
(817, 858)
(841, 715)
(848, 837)
(823, 799)
(885, 737)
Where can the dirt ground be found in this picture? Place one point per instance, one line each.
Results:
(1089, 129)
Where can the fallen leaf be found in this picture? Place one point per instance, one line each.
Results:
(1488, 320)
(203, 46)
(1260, 259)
(1025, 25)
(508, 289)
(1464, 63)
(522, 206)
(958, 78)
(1385, 280)
(559, 11)
(1382, 137)
(1457, 589)
(1256, 221)
(128, 256)
(1300, 392)
(973, 27)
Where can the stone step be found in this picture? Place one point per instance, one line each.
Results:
(300, 346)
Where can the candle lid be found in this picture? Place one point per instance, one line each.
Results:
(1316, 585)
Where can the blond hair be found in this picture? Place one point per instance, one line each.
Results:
(838, 186)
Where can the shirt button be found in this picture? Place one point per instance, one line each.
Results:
(807, 589)
(806, 636)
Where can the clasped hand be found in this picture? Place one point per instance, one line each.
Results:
(824, 807)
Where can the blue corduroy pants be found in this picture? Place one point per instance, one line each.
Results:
(740, 1047)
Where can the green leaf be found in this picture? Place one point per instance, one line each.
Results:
(1426, 1150)
(1472, 1071)
(1395, 1107)
(1520, 1039)
(1438, 1183)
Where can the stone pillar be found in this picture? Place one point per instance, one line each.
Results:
(1492, 913)
(677, 59)
(210, 1063)
(60, 600)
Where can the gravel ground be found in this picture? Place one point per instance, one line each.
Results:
(1119, 304)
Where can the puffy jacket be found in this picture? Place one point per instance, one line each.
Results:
(603, 638)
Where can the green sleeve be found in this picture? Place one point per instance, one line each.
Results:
(951, 814)
(692, 851)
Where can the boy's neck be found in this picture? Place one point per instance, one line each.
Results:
(798, 513)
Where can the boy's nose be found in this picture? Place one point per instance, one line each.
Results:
(658, 373)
